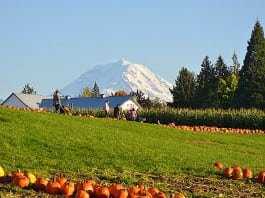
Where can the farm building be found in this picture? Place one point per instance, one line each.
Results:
(21, 100)
(125, 102)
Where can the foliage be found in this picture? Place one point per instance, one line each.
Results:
(230, 118)
(222, 85)
(28, 89)
(95, 91)
(205, 84)
(226, 89)
(86, 92)
(141, 99)
(219, 86)
(184, 90)
(251, 88)
(157, 103)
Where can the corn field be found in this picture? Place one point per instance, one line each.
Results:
(231, 118)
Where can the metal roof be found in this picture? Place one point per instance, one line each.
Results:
(29, 100)
(89, 102)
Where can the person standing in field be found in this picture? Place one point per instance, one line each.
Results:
(106, 108)
(117, 112)
(57, 101)
(133, 114)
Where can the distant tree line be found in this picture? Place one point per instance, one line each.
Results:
(221, 86)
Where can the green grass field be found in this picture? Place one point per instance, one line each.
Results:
(119, 151)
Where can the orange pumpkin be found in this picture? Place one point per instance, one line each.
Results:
(228, 171)
(21, 181)
(237, 172)
(122, 193)
(261, 177)
(41, 183)
(247, 173)
(141, 189)
(153, 191)
(219, 165)
(113, 188)
(81, 194)
(53, 188)
(132, 191)
(102, 192)
(68, 188)
(91, 181)
(61, 180)
(16, 174)
(88, 187)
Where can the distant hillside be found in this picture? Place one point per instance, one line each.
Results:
(121, 75)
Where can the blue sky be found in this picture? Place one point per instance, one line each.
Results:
(50, 43)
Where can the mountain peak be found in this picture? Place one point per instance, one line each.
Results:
(121, 75)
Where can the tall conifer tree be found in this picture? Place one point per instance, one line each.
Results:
(184, 90)
(95, 90)
(220, 83)
(205, 81)
(251, 85)
(221, 69)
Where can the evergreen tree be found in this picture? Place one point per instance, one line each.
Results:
(28, 89)
(86, 92)
(205, 84)
(220, 85)
(251, 87)
(184, 90)
(95, 90)
(221, 69)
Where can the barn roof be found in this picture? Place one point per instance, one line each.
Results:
(31, 101)
(90, 102)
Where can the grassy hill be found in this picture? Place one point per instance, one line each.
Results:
(120, 151)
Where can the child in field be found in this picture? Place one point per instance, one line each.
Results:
(133, 114)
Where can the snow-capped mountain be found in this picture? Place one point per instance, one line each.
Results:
(121, 75)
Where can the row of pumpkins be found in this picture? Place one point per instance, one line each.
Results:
(215, 129)
(86, 189)
(236, 172)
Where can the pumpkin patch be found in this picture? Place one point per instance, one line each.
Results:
(115, 178)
